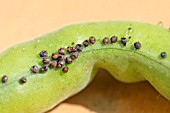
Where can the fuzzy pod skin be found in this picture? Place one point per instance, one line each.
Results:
(43, 91)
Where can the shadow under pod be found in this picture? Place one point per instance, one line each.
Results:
(107, 95)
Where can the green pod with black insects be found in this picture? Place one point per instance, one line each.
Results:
(139, 53)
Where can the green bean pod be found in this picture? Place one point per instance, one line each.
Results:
(23, 91)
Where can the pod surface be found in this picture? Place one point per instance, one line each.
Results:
(43, 91)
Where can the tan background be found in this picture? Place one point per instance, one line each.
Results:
(22, 20)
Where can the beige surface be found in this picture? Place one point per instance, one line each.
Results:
(21, 20)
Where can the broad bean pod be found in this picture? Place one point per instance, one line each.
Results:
(33, 82)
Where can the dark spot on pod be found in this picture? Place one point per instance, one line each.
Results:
(137, 45)
(23, 80)
(79, 47)
(163, 55)
(4, 79)
(60, 64)
(60, 57)
(106, 40)
(53, 64)
(71, 49)
(68, 60)
(86, 43)
(129, 28)
(72, 43)
(35, 69)
(124, 41)
(61, 51)
(74, 55)
(92, 39)
(43, 53)
(129, 37)
(113, 39)
(54, 56)
(65, 69)
(46, 60)
(44, 68)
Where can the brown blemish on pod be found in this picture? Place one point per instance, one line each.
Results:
(68, 60)
(35, 69)
(43, 53)
(124, 41)
(60, 64)
(79, 47)
(54, 56)
(92, 39)
(4, 78)
(44, 68)
(113, 39)
(71, 49)
(46, 60)
(106, 40)
(53, 64)
(137, 45)
(60, 57)
(74, 55)
(61, 51)
(163, 54)
(65, 69)
(86, 43)
(23, 80)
